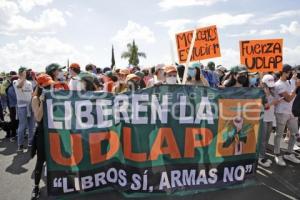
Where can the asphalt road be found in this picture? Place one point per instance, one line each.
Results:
(16, 173)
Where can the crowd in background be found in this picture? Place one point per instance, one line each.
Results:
(21, 110)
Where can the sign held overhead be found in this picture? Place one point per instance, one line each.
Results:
(262, 55)
(206, 44)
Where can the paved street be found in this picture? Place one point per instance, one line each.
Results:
(276, 183)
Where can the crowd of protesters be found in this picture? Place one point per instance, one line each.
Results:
(21, 108)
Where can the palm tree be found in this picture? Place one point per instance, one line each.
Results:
(133, 54)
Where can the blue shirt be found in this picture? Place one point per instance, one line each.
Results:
(11, 96)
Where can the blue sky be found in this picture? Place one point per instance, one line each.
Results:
(37, 32)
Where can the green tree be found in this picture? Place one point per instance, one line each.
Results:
(133, 54)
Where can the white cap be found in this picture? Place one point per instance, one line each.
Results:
(268, 80)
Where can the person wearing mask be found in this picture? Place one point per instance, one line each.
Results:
(74, 71)
(268, 85)
(213, 78)
(284, 116)
(195, 76)
(132, 82)
(110, 81)
(121, 85)
(44, 82)
(90, 68)
(23, 89)
(54, 70)
(89, 82)
(147, 75)
(159, 76)
(142, 82)
(12, 105)
(171, 74)
(238, 77)
(221, 71)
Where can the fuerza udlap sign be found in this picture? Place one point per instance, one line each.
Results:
(162, 140)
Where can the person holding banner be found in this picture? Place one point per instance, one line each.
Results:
(195, 76)
(159, 76)
(171, 74)
(55, 71)
(121, 83)
(284, 116)
(44, 81)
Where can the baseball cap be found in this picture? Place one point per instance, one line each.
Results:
(52, 67)
(22, 69)
(239, 69)
(139, 74)
(124, 71)
(169, 69)
(44, 80)
(131, 76)
(75, 66)
(268, 79)
(287, 68)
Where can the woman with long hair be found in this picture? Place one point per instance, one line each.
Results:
(44, 82)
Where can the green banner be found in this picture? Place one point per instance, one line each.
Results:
(169, 139)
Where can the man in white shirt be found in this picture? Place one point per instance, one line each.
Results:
(23, 89)
(284, 116)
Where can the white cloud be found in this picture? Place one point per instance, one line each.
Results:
(293, 28)
(68, 13)
(268, 32)
(225, 19)
(175, 25)
(50, 18)
(278, 15)
(134, 31)
(89, 48)
(27, 5)
(242, 34)
(291, 55)
(169, 4)
(36, 53)
(12, 21)
(230, 57)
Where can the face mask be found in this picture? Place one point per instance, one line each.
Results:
(242, 80)
(253, 81)
(192, 73)
(171, 80)
(61, 76)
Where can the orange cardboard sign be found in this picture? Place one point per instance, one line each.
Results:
(262, 55)
(206, 44)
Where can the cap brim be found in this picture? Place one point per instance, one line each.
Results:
(63, 67)
(252, 73)
(170, 71)
(243, 71)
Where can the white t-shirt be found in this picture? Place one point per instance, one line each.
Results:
(269, 114)
(75, 84)
(284, 106)
(23, 94)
